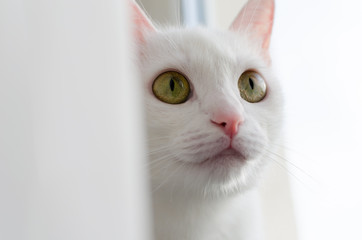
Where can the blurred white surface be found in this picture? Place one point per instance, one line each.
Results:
(71, 141)
(317, 51)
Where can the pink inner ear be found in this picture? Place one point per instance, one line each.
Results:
(141, 22)
(256, 17)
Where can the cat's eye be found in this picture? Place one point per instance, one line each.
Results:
(171, 87)
(252, 86)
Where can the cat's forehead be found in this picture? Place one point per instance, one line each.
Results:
(200, 51)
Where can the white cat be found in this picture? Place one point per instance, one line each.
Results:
(213, 108)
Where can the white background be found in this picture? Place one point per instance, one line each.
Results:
(317, 49)
(70, 123)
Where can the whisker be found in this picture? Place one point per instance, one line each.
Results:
(149, 139)
(158, 150)
(167, 178)
(291, 174)
(292, 164)
(157, 170)
(292, 150)
(159, 160)
(153, 164)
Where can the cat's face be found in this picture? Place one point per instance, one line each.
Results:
(216, 140)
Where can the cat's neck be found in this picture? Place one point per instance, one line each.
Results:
(227, 218)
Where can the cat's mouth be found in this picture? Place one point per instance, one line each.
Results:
(227, 157)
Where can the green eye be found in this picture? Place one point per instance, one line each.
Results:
(171, 87)
(252, 86)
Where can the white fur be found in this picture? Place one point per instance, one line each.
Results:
(192, 200)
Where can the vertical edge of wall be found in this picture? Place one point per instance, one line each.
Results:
(135, 184)
(71, 126)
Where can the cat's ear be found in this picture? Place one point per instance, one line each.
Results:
(141, 22)
(256, 17)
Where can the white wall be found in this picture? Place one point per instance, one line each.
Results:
(71, 144)
(317, 49)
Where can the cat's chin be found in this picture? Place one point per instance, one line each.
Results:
(226, 158)
(225, 173)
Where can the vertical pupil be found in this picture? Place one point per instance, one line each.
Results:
(251, 83)
(172, 84)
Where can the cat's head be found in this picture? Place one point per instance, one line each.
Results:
(213, 104)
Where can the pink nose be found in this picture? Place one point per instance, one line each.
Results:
(228, 122)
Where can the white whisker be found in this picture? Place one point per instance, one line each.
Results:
(162, 149)
(282, 166)
(154, 162)
(292, 164)
(168, 177)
